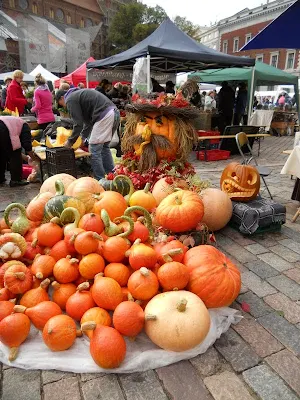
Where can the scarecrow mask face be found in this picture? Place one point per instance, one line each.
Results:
(240, 182)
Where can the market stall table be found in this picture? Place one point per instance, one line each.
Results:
(292, 167)
(262, 118)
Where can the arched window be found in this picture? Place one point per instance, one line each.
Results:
(69, 19)
(82, 25)
(34, 8)
(51, 13)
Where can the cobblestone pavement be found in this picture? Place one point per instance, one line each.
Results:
(256, 359)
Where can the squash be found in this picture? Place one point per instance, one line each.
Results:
(143, 284)
(60, 250)
(85, 189)
(106, 292)
(61, 138)
(180, 211)
(59, 333)
(18, 279)
(176, 321)
(115, 248)
(165, 186)
(55, 206)
(50, 233)
(143, 198)
(217, 208)
(35, 209)
(49, 184)
(117, 271)
(32, 250)
(35, 296)
(173, 250)
(4, 267)
(240, 182)
(61, 293)
(173, 276)
(79, 302)
(70, 214)
(66, 270)
(6, 308)
(140, 255)
(97, 315)
(86, 242)
(113, 202)
(21, 224)
(129, 318)
(12, 246)
(91, 265)
(116, 228)
(213, 277)
(42, 266)
(121, 184)
(91, 222)
(40, 314)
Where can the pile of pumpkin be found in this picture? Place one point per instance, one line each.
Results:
(80, 262)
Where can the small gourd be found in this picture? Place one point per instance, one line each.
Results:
(21, 224)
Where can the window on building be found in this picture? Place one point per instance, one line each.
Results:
(23, 4)
(12, 3)
(51, 13)
(225, 46)
(274, 59)
(236, 45)
(259, 57)
(34, 8)
(88, 22)
(82, 23)
(69, 19)
(290, 60)
(248, 37)
(60, 14)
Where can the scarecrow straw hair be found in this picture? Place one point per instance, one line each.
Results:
(185, 138)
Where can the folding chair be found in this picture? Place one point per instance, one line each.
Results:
(243, 143)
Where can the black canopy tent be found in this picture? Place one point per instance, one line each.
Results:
(168, 49)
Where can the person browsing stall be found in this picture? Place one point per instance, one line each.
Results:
(95, 118)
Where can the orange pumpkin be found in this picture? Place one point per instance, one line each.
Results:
(117, 271)
(85, 189)
(165, 186)
(5, 294)
(61, 293)
(141, 255)
(59, 333)
(143, 284)
(18, 279)
(80, 302)
(50, 233)
(173, 275)
(143, 198)
(35, 296)
(180, 211)
(106, 293)
(91, 222)
(97, 315)
(86, 242)
(5, 267)
(49, 184)
(66, 270)
(91, 265)
(129, 318)
(240, 182)
(32, 250)
(42, 266)
(113, 202)
(217, 208)
(70, 237)
(35, 209)
(114, 249)
(213, 277)
(60, 250)
(171, 251)
(140, 231)
(40, 314)
(6, 308)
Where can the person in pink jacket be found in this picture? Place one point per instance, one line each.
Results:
(42, 101)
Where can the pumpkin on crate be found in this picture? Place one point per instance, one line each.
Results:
(59, 333)
(217, 208)
(39, 314)
(176, 321)
(180, 211)
(213, 277)
(61, 137)
(165, 186)
(79, 302)
(97, 315)
(240, 182)
(49, 184)
(85, 189)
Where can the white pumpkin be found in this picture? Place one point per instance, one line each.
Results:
(49, 184)
(217, 208)
(176, 321)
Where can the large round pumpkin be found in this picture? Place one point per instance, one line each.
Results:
(217, 208)
(49, 184)
(240, 182)
(113, 202)
(213, 277)
(85, 189)
(180, 211)
(165, 186)
(176, 321)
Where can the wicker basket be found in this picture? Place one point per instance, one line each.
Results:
(60, 160)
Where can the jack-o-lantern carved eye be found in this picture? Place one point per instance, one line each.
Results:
(252, 179)
(143, 119)
(234, 176)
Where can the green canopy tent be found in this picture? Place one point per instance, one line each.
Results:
(260, 75)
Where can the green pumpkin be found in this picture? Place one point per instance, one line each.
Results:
(121, 184)
(56, 205)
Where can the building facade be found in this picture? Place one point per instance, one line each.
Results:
(230, 34)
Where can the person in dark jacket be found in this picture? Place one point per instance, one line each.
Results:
(156, 87)
(241, 105)
(15, 134)
(226, 99)
(103, 87)
(170, 87)
(95, 118)
(7, 82)
(114, 93)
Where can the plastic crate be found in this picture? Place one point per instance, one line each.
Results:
(210, 133)
(60, 160)
(213, 155)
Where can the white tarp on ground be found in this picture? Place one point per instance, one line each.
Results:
(39, 69)
(142, 354)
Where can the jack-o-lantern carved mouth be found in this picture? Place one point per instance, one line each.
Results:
(233, 189)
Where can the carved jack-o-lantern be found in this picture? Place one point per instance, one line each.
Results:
(240, 182)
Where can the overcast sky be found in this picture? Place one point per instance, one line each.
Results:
(203, 12)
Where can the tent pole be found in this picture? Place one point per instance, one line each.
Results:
(250, 107)
(148, 74)
(87, 77)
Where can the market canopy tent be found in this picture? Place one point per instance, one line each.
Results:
(282, 33)
(77, 76)
(39, 69)
(171, 50)
(27, 77)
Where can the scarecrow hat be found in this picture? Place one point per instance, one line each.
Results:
(165, 104)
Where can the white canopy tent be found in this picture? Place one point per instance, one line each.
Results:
(39, 69)
(27, 77)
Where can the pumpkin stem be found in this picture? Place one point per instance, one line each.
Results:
(130, 297)
(45, 283)
(50, 330)
(144, 271)
(13, 352)
(8, 210)
(132, 338)
(34, 243)
(37, 255)
(70, 217)
(55, 285)
(55, 220)
(83, 286)
(178, 200)
(146, 215)
(59, 187)
(88, 326)
(131, 225)
(100, 274)
(68, 257)
(19, 275)
(110, 228)
(168, 257)
(97, 236)
(175, 289)
(39, 275)
(74, 261)
(78, 333)
(147, 187)
(150, 317)
(181, 305)
(13, 301)
(19, 309)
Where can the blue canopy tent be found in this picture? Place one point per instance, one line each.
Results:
(272, 36)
